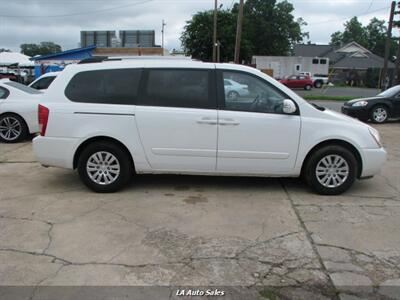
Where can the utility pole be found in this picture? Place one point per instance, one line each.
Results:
(239, 32)
(215, 32)
(162, 33)
(218, 51)
(387, 45)
(397, 65)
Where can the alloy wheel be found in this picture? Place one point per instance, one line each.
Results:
(10, 128)
(332, 171)
(380, 115)
(103, 168)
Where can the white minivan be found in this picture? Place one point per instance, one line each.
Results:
(113, 119)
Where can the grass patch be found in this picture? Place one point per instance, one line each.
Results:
(269, 294)
(327, 97)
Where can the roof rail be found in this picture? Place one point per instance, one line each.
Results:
(98, 59)
(94, 59)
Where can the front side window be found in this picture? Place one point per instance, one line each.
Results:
(44, 83)
(178, 88)
(116, 86)
(252, 94)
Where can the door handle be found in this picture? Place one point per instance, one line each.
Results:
(206, 120)
(228, 122)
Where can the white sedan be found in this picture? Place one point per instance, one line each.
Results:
(44, 81)
(234, 90)
(18, 111)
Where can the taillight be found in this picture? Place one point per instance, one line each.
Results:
(43, 118)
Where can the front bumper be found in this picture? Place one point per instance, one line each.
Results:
(373, 160)
(358, 112)
(54, 152)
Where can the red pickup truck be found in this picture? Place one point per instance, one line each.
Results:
(298, 82)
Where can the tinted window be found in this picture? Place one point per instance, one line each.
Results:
(178, 88)
(251, 94)
(117, 86)
(3, 93)
(44, 83)
(21, 87)
(322, 61)
(315, 61)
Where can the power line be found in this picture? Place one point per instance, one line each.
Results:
(78, 13)
(343, 19)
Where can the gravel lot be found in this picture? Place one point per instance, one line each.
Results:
(269, 235)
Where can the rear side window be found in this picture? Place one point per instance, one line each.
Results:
(3, 93)
(178, 88)
(116, 86)
(44, 83)
(21, 87)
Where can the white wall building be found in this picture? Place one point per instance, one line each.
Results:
(281, 66)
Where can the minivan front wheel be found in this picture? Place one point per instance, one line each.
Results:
(104, 167)
(331, 170)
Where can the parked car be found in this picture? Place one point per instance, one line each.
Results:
(297, 81)
(111, 120)
(378, 109)
(234, 89)
(18, 111)
(9, 76)
(44, 81)
(318, 79)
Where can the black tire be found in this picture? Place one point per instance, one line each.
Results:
(318, 84)
(233, 95)
(310, 170)
(19, 126)
(124, 161)
(308, 87)
(376, 119)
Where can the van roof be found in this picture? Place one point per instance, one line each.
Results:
(153, 62)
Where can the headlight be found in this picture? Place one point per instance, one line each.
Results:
(376, 136)
(360, 103)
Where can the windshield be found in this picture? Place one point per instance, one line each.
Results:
(390, 92)
(21, 87)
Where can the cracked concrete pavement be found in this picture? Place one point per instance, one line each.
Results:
(273, 237)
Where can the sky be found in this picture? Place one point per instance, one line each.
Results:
(60, 21)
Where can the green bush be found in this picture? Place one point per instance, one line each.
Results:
(372, 78)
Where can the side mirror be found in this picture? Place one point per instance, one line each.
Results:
(289, 107)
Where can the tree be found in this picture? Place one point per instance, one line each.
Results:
(269, 28)
(354, 31)
(336, 38)
(376, 32)
(197, 36)
(4, 50)
(372, 36)
(43, 48)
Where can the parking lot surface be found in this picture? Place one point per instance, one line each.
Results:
(273, 236)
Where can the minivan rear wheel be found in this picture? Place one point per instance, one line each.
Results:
(331, 170)
(104, 167)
